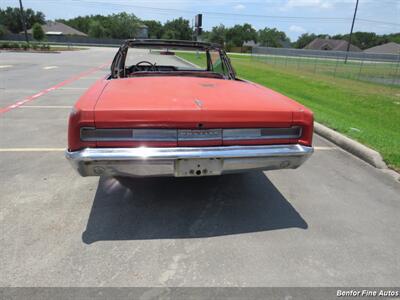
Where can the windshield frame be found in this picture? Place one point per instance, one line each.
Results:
(118, 68)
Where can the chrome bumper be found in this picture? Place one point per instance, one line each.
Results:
(164, 161)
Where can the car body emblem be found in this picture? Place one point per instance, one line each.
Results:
(199, 134)
(198, 102)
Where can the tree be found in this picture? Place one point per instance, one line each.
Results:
(272, 37)
(118, 26)
(37, 32)
(80, 23)
(123, 25)
(363, 40)
(11, 18)
(393, 37)
(33, 17)
(177, 29)
(306, 38)
(217, 35)
(155, 29)
(96, 30)
(3, 31)
(239, 34)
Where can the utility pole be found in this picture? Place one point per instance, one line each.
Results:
(351, 32)
(23, 19)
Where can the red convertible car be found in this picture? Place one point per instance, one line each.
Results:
(158, 115)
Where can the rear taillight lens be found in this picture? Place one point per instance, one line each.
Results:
(93, 134)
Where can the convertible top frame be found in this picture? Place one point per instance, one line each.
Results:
(118, 64)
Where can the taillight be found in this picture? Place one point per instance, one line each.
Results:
(157, 135)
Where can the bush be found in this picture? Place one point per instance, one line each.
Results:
(3, 30)
(34, 46)
(37, 32)
(15, 45)
(25, 46)
(5, 45)
(45, 47)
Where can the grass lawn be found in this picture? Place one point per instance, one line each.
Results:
(366, 112)
(370, 71)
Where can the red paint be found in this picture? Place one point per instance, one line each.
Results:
(54, 87)
(170, 102)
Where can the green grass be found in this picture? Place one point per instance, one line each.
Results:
(380, 72)
(366, 112)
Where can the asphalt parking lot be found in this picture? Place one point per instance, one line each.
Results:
(333, 222)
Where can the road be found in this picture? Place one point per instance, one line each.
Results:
(332, 222)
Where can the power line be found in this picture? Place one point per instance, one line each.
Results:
(236, 15)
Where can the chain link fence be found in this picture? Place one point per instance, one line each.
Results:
(377, 68)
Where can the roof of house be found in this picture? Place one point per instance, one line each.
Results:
(388, 48)
(251, 44)
(52, 27)
(330, 44)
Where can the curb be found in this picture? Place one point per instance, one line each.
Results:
(370, 156)
(366, 154)
(187, 62)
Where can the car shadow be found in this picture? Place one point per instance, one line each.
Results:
(171, 208)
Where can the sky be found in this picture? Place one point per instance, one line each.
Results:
(294, 17)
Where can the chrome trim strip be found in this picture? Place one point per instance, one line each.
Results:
(144, 161)
(91, 134)
(165, 135)
(262, 133)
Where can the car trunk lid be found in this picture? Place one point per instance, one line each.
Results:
(183, 102)
(190, 103)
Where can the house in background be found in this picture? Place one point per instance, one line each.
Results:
(251, 44)
(57, 28)
(388, 48)
(330, 44)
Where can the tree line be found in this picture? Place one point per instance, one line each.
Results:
(124, 25)
(362, 40)
(10, 19)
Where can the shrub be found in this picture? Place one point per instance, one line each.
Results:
(5, 45)
(3, 30)
(14, 45)
(45, 47)
(25, 46)
(37, 32)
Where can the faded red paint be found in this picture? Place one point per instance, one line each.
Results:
(170, 102)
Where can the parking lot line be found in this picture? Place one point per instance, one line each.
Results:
(45, 106)
(324, 148)
(32, 149)
(54, 87)
(50, 67)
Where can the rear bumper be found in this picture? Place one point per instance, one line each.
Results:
(163, 161)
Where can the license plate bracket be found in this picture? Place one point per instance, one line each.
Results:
(198, 167)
